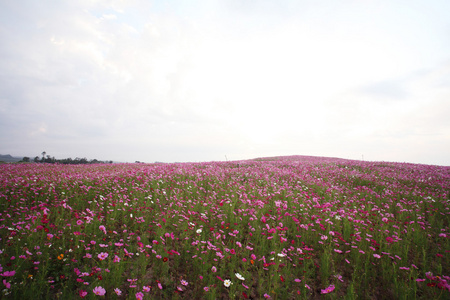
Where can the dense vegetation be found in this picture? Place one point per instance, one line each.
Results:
(280, 229)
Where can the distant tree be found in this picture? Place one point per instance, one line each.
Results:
(67, 161)
(26, 159)
(43, 156)
(36, 159)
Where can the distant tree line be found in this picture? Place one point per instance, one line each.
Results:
(66, 161)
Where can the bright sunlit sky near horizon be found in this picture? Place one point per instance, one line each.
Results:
(213, 80)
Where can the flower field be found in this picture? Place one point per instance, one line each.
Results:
(284, 228)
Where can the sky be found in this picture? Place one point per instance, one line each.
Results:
(215, 80)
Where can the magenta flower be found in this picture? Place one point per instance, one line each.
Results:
(116, 259)
(82, 293)
(99, 291)
(102, 255)
(214, 269)
(8, 273)
(139, 296)
(146, 288)
(117, 291)
(102, 228)
(7, 284)
(327, 290)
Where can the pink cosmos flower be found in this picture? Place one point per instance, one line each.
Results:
(184, 282)
(102, 228)
(327, 290)
(99, 291)
(7, 284)
(146, 288)
(82, 293)
(214, 269)
(102, 255)
(8, 273)
(117, 291)
(139, 296)
(116, 259)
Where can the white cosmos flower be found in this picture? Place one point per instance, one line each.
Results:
(239, 276)
(199, 230)
(281, 255)
(227, 282)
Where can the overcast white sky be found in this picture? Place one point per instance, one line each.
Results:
(201, 80)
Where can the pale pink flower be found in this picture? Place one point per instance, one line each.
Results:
(99, 291)
(102, 255)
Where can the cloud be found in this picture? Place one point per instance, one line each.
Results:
(192, 81)
(386, 90)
